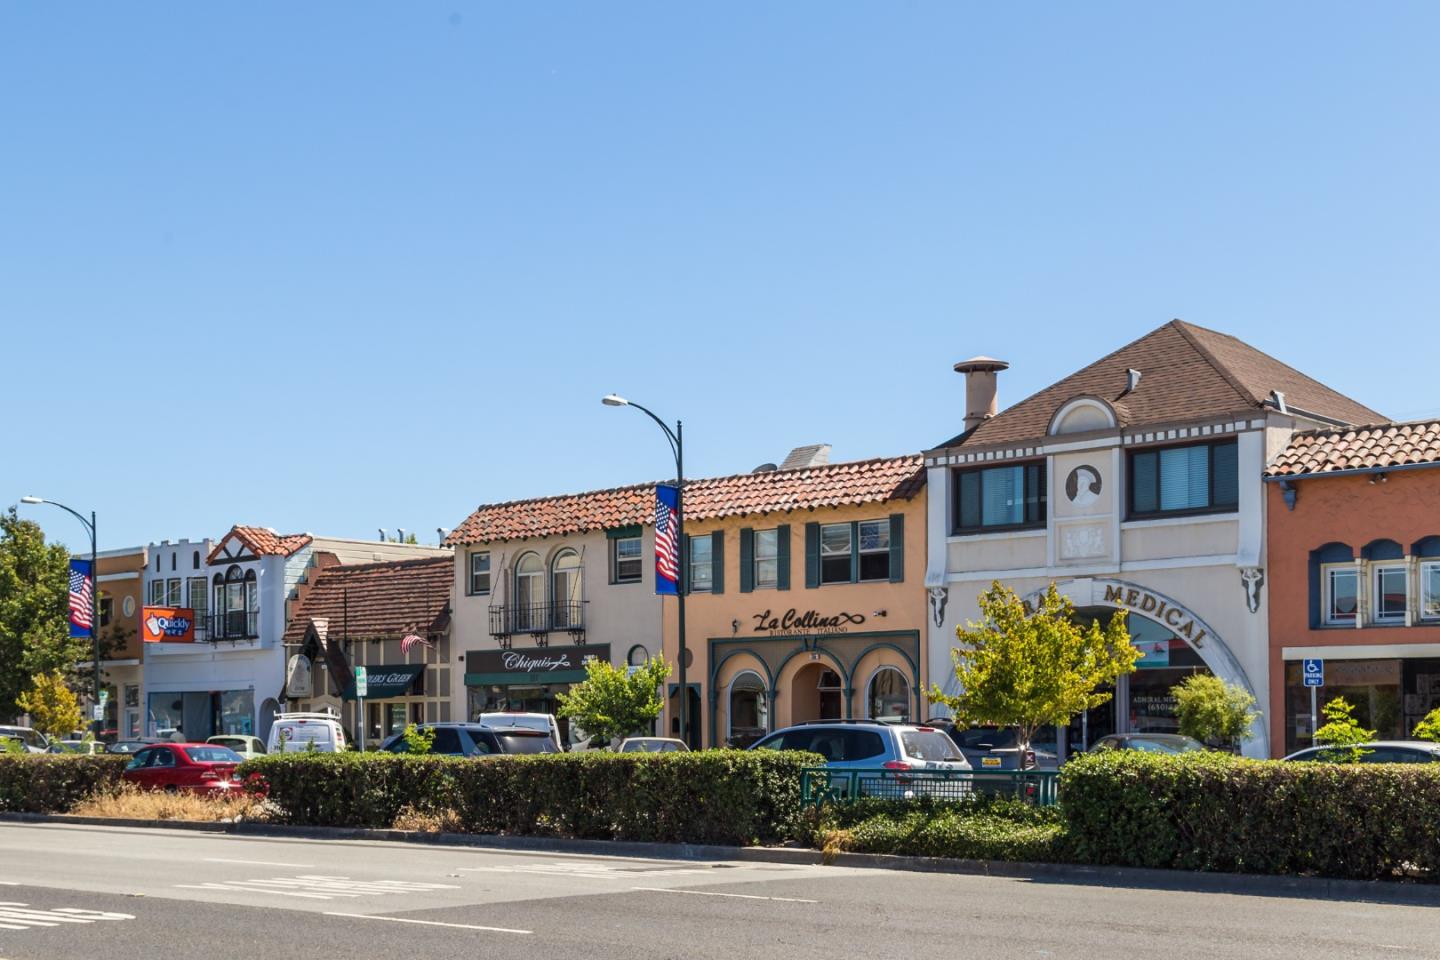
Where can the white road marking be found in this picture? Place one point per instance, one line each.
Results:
(428, 923)
(21, 916)
(591, 871)
(321, 887)
(712, 893)
(259, 863)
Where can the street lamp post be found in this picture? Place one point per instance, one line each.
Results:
(677, 447)
(94, 596)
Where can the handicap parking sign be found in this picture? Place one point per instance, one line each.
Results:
(1314, 672)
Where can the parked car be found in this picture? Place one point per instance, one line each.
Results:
(1169, 743)
(292, 732)
(477, 740)
(1378, 751)
(997, 748)
(84, 747)
(544, 722)
(32, 740)
(132, 746)
(248, 747)
(651, 745)
(870, 744)
(194, 767)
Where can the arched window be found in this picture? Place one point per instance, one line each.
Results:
(889, 695)
(237, 603)
(529, 593)
(565, 592)
(749, 711)
(195, 560)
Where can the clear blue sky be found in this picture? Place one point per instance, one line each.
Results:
(335, 266)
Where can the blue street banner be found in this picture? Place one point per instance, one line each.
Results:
(667, 540)
(82, 599)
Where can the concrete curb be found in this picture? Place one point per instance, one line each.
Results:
(1310, 888)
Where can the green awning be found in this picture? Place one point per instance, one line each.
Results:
(384, 682)
(537, 679)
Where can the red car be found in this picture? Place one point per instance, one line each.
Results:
(197, 767)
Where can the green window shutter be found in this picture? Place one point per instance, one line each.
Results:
(812, 555)
(782, 557)
(684, 585)
(747, 560)
(897, 548)
(621, 533)
(717, 562)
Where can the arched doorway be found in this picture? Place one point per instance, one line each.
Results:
(748, 710)
(1185, 636)
(887, 695)
(817, 693)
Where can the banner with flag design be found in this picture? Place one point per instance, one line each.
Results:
(667, 540)
(82, 598)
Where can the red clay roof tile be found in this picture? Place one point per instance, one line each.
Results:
(1373, 447)
(263, 541)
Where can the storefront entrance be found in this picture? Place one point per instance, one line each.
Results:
(1390, 696)
(816, 694)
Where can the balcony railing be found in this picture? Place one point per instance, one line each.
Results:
(539, 619)
(233, 625)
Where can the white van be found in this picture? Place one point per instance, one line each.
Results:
(530, 721)
(306, 731)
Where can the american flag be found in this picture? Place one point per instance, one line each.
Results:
(407, 642)
(667, 542)
(82, 597)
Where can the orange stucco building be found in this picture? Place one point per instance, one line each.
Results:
(1353, 520)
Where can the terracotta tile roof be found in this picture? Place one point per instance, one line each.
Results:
(262, 541)
(1188, 373)
(830, 485)
(377, 600)
(1359, 448)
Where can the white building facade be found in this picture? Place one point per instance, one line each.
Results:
(1134, 483)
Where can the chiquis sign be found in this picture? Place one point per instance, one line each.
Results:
(793, 622)
(539, 660)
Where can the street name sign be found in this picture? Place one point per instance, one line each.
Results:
(362, 682)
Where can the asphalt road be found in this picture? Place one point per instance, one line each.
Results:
(115, 894)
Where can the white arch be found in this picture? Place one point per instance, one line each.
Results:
(1089, 413)
(1087, 592)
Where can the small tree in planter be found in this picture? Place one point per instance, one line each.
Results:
(1031, 670)
(1429, 727)
(1213, 711)
(613, 702)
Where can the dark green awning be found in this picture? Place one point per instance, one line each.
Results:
(385, 682)
(512, 679)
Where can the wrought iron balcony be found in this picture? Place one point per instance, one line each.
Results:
(539, 620)
(234, 625)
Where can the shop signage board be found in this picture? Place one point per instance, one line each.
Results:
(97, 712)
(381, 682)
(531, 666)
(167, 625)
(1313, 672)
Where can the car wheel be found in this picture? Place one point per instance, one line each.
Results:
(172, 790)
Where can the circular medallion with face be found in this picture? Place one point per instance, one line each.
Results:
(1082, 487)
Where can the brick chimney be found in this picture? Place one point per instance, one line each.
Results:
(981, 398)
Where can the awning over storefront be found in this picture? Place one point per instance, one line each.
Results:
(529, 668)
(383, 682)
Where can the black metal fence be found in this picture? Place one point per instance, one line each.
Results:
(558, 616)
(233, 625)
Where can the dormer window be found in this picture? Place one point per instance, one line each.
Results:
(1190, 479)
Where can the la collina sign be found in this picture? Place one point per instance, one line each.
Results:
(1129, 596)
(793, 622)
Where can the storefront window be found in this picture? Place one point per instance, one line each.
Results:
(889, 695)
(749, 710)
(1389, 696)
(237, 712)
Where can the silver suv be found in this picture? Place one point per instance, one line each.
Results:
(847, 744)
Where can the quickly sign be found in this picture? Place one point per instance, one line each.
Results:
(167, 625)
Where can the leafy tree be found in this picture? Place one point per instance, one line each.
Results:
(418, 740)
(1031, 670)
(34, 609)
(1213, 711)
(51, 704)
(611, 701)
(1429, 727)
(1342, 732)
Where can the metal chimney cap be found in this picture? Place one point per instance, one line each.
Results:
(981, 365)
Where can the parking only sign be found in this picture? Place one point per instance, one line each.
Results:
(1314, 672)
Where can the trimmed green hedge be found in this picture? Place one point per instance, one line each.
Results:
(979, 829)
(1217, 812)
(53, 783)
(731, 797)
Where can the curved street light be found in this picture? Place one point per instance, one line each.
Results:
(89, 526)
(676, 439)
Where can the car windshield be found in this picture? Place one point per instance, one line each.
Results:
(986, 738)
(524, 743)
(213, 754)
(928, 745)
(233, 743)
(28, 737)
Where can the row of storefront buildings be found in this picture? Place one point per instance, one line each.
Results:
(1246, 515)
